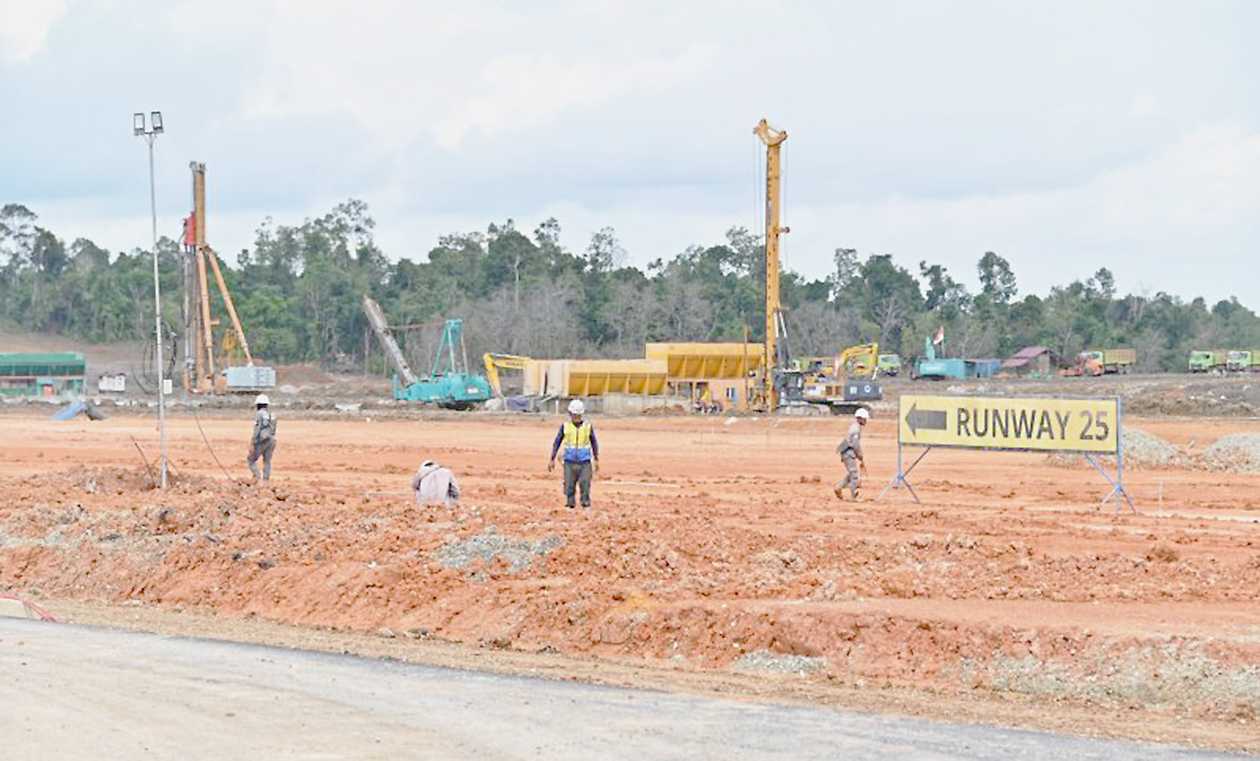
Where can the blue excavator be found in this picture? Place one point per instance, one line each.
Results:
(448, 384)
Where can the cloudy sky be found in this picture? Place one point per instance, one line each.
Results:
(1065, 136)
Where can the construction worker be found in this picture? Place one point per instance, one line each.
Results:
(435, 485)
(581, 454)
(263, 442)
(850, 451)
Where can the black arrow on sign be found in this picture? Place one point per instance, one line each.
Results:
(933, 420)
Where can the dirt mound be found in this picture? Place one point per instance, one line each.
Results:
(1237, 453)
(1141, 449)
(670, 410)
(302, 375)
(702, 552)
(115, 480)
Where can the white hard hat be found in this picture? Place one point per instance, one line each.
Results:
(576, 407)
(262, 399)
(862, 413)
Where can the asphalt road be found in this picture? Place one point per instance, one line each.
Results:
(71, 692)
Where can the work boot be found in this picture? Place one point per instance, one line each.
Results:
(839, 492)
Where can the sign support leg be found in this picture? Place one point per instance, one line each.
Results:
(900, 479)
(1117, 484)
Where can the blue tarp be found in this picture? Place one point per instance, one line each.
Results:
(70, 410)
(78, 408)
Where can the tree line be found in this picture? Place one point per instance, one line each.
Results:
(298, 290)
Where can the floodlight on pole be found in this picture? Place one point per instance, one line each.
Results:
(150, 135)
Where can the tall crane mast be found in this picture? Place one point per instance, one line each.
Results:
(773, 140)
(204, 262)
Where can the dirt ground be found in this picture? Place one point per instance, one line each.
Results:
(715, 558)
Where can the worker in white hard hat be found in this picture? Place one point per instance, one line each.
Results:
(850, 451)
(263, 442)
(581, 454)
(435, 485)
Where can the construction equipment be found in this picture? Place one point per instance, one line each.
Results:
(1085, 364)
(494, 362)
(1243, 361)
(781, 382)
(1095, 362)
(448, 384)
(1213, 361)
(931, 367)
(773, 140)
(200, 362)
(861, 361)
(802, 385)
(889, 364)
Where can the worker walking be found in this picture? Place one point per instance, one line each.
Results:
(435, 485)
(263, 442)
(581, 454)
(850, 451)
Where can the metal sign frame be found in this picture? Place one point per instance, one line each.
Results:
(1118, 490)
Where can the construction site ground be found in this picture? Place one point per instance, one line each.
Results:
(716, 559)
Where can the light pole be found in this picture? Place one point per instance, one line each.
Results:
(150, 134)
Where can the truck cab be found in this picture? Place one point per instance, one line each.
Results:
(1238, 361)
(889, 364)
(1203, 361)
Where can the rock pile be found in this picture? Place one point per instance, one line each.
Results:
(1236, 453)
(1141, 449)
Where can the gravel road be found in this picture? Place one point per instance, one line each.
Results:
(76, 692)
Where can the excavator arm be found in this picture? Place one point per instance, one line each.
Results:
(506, 361)
(861, 361)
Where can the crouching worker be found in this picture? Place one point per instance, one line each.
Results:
(435, 485)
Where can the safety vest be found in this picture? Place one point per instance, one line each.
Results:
(577, 441)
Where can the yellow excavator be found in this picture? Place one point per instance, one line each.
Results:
(857, 362)
(495, 362)
(825, 377)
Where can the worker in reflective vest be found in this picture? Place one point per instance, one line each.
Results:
(581, 454)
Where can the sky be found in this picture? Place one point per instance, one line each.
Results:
(1065, 136)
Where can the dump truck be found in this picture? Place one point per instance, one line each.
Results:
(1095, 362)
(1243, 361)
(1205, 361)
(1114, 360)
(889, 364)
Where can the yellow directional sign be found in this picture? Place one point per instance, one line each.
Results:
(994, 422)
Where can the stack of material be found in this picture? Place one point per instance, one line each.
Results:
(1237, 453)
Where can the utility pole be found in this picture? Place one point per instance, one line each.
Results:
(773, 140)
(150, 134)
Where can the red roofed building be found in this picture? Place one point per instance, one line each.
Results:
(1031, 360)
